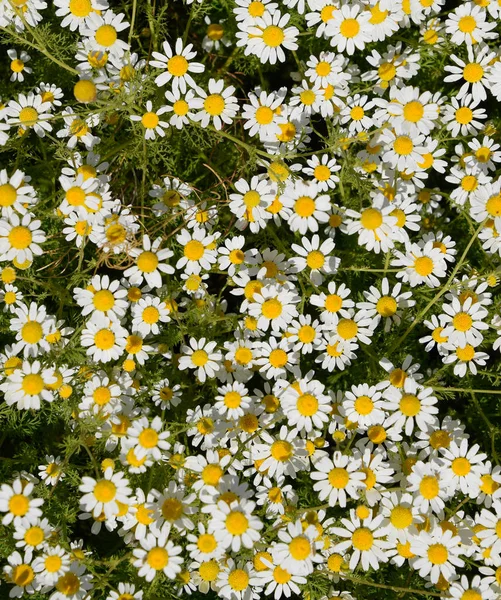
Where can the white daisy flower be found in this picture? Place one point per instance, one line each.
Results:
(200, 355)
(176, 66)
(104, 339)
(234, 525)
(157, 554)
(337, 479)
(267, 35)
(219, 105)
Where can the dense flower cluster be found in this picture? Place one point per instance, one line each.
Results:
(239, 370)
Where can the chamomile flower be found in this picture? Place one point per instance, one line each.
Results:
(385, 304)
(467, 25)
(104, 339)
(349, 28)
(421, 265)
(180, 106)
(297, 548)
(267, 37)
(157, 554)
(177, 65)
(323, 170)
(410, 407)
(315, 257)
(438, 553)
(51, 565)
(337, 479)
(474, 72)
(198, 250)
(283, 455)
(32, 327)
(29, 112)
(308, 207)
(28, 385)
(17, 504)
(20, 238)
(151, 121)
(103, 496)
(234, 525)
(375, 226)
(150, 263)
(102, 296)
(364, 540)
(51, 472)
(307, 406)
(262, 115)
(219, 105)
(200, 355)
(463, 116)
(250, 203)
(102, 31)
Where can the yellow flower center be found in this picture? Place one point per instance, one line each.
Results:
(437, 554)
(177, 66)
(214, 104)
(362, 539)
(462, 321)
(386, 306)
(347, 329)
(215, 31)
(493, 206)
(148, 438)
(278, 358)
(403, 145)
(34, 535)
(465, 354)
(300, 548)
(281, 450)
(17, 65)
(85, 91)
(236, 523)
(32, 384)
(68, 584)
(53, 563)
(464, 115)
(429, 488)
(209, 570)
(157, 558)
(273, 36)
(28, 116)
(307, 405)
(349, 28)
(238, 580)
(105, 491)
(363, 405)
(22, 575)
(194, 250)
(104, 339)
(423, 266)
(206, 543)
(8, 194)
(410, 405)
(172, 509)
(413, 111)
(338, 478)
(199, 358)
(20, 237)
(80, 8)
(150, 120)
(32, 332)
(401, 517)
(106, 35)
(371, 219)
(467, 24)
(19, 505)
(461, 466)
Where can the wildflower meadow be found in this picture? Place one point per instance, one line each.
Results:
(250, 321)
